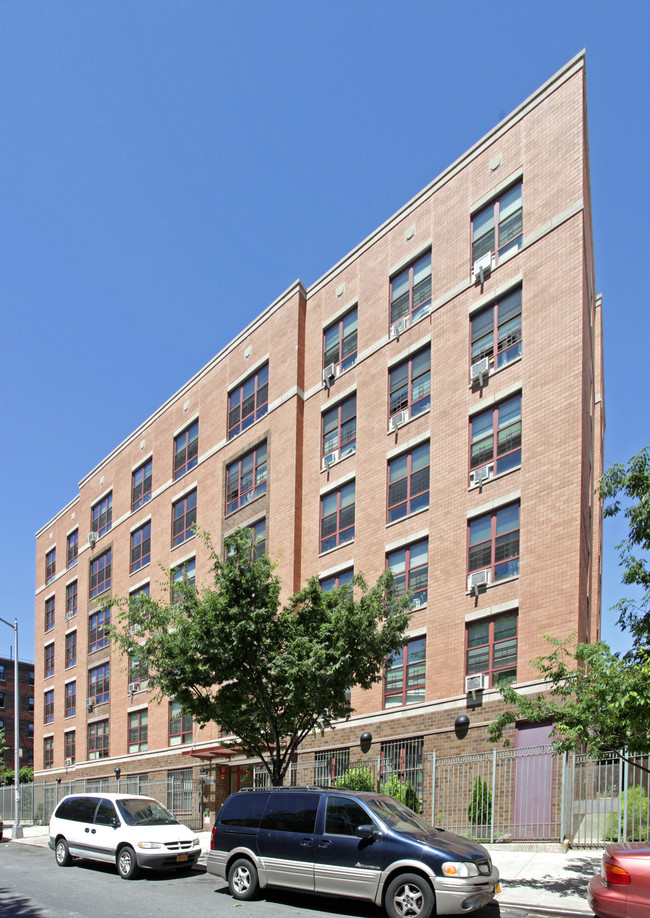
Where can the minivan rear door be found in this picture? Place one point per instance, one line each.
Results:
(347, 865)
(80, 823)
(286, 838)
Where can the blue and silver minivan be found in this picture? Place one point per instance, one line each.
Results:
(348, 843)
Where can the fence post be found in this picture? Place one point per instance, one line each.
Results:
(625, 797)
(433, 787)
(563, 797)
(494, 792)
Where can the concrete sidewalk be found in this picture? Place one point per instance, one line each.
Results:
(536, 877)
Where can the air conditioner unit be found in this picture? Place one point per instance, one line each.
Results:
(90, 703)
(133, 687)
(67, 763)
(476, 682)
(398, 420)
(329, 374)
(478, 579)
(481, 474)
(480, 369)
(330, 459)
(68, 616)
(397, 328)
(482, 267)
(92, 537)
(134, 629)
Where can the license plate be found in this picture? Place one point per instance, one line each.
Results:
(181, 857)
(497, 889)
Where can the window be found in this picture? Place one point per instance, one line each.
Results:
(335, 580)
(408, 483)
(71, 600)
(405, 673)
(97, 633)
(138, 731)
(30, 703)
(343, 816)
(331, 764)
(48, 707)
(49, 613)
(180, 725)
(2, 701)
(403, 758)
(248, 402)
(99, 683)
(72, 549)
(140, 547)
(30, 677)
(50, 565)
(184, 519)
(492, 648)
(98, 740)
(183, 575)
(496, 436)
(337, 517)
(494, 543)
(410, 385)
(102, 515)
(500, 322)
(48, 752)
(180, 786)
(2, 673)
(136, 602)
(410, 291)
(70, 699)
(246, 478)
(258, 539)
(138, 671)
(291, 812)
(340, 430)
(30, 730)
(498, 228)
(141, 485)
(49, 661)
(69, 745)
(186, 450)
(410, 567)
(100, 574)
(138, 784)
(340, 345)
(71, 649)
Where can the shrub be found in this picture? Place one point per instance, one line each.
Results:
(402, 791)
(479, 811)
(636, 801)
(357, 778)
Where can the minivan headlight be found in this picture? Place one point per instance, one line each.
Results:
(196, 841)
(149, 845)
(459, 869)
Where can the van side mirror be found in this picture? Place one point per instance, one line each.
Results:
(115, 822)
(367, 831)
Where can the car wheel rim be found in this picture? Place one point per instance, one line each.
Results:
(60, 852)
(125, 862)
(241, 880)
(409, 901)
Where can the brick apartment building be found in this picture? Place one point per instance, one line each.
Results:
(25, 711)
(433, 403)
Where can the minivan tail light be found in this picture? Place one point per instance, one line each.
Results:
(214, 829)
(612, 875)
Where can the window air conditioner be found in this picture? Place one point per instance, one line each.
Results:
(68, 616)
(330, 459)
(480, 369)
(476, 682)
(92, 537)
(478, 579)
(482, 267)
(67, 763)
(90, 703)
(134, 629)
(481, 474)
(329, 374)
(133, 687)
(398, 420)
(397, 328)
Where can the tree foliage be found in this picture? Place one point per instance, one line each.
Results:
(598, 700)
(268, 674)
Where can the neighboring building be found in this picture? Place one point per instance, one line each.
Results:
(25, 711)
(433, 403)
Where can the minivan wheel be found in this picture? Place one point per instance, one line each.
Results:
(62, 854)
(409, 896)
(127, 865)
(242, 879)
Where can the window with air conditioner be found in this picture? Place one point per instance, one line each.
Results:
(497, 228)
(495, 437)
(340, 345)
(491, 649)
(410, 293)
(410, 386)
(494, 545)
(496, 334)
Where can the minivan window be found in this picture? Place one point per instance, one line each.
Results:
(83, 809)
(291, 812)
(145, 812)
(105, 812)
(398, 816)
(244, 810)
(343, 816)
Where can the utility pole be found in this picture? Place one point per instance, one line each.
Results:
(17, 831)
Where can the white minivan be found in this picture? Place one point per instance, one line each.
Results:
(122, 829)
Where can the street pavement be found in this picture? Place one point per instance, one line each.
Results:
(535, 879)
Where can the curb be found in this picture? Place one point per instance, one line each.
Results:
(553, 910)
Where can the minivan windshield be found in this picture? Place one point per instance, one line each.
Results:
(398, 816)
(144, 812)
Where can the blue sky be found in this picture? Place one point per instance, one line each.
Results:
(169, 168)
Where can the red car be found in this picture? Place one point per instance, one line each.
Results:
(622, 888)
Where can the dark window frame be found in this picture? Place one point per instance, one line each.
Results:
(71, 649)
(48, 752)
(98, 739)
(500, 322)
(142, 484)
(100, 573)
(186, 450)
(343, 517)
(72, 549)
(48, 660)
(409, 298)
(496, 442)
(97, 624)
(404, 394)
(339, 422)
(248, 402)
(181, 726)
(50, 613)
(340, 341)
(500, 552)
(505, 237)
(50, 565)
(138, 730)
(99, 683)
(71, 599)
(498, 636)
(70, 699)
(410, 492)
(244, 483)
(70, 745)
(141, 547)
(412, 575)
(48, 706)
(184, 518)
(101, 515)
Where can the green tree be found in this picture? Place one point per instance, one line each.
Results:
(401, 790)
(269, 674)
(479, 810)
(358, 778)
(599, 700)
